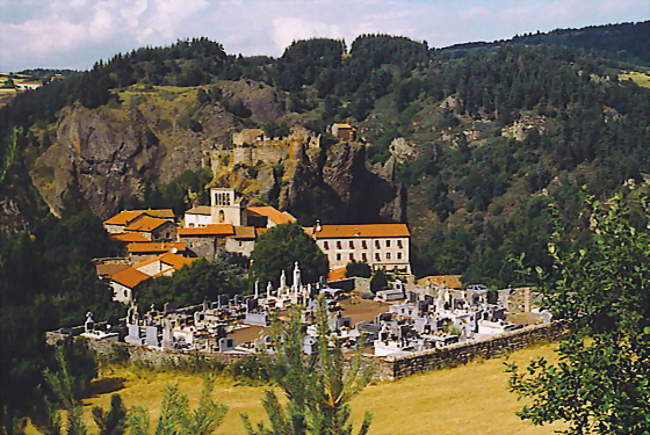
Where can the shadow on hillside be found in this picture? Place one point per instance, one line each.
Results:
(105, 385)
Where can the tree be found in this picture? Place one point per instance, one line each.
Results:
(197, 282)
(176, 417)
(318, 388)
(602, 380)
(113, 422)
(358, 268)
(282, 246)
(62, 384)
(379, 281)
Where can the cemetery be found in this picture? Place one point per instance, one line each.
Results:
(401, 323)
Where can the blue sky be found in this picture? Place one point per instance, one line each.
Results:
(76, 33)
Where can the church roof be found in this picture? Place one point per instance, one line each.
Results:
(244, 232)
(200, 209)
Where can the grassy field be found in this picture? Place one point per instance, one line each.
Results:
(468, 399)
(642, 79)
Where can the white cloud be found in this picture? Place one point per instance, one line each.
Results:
(75, 33)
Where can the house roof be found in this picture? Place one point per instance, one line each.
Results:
(200, 209)
(129, 277)
(128, 237)
(273, 214)
(140, 248)
(336, 274)
(146, 224)
(244, 232)
(173, 260)
(108, 269)
(343, 125)
(126, 216)
(208, 230)
(365, 230)
(260, 231)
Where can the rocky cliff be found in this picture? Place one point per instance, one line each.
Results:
(100, 157)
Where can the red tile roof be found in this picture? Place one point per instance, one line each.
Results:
(366, 230)
(175, 261)
(139, 248)
(146, 224)
(244, 233)
(126, 216)
(271, 213)
(128, 237)
(336, 274)
(108, 269)
(130, 277)
(208, 230)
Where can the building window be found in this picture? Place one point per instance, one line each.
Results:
(351, 244)
(338, 244)
(222, 216)
(387, 255)
(399, 255)
(377, 245)
(351, 257)
(364, 257)
(399, 244)
(326, 245)
(377, 257)
(191, 225)
(338, 257)
(388, 243)
(364, 245)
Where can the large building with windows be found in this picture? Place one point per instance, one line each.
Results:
(382, 246)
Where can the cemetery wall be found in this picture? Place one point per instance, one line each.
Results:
(385, 368)
(392, 368)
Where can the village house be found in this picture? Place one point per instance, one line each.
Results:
(382, 246)
(152, 228)
(118, 223)
(28, 84)
(125, 282)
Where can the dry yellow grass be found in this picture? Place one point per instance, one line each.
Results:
(471, 399)
(642, 79)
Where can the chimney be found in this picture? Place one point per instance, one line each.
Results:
(317, 227)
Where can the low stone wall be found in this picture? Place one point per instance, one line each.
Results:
(392, 368)
(385, 368)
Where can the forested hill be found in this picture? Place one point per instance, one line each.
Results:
(625, 41)
(481, 142)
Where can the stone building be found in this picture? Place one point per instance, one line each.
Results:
(344, 132)
(206, 241)
(382, 246)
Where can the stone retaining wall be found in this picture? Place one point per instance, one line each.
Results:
(392, 368)
(387, 368)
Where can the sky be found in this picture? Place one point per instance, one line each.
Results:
(77, 33)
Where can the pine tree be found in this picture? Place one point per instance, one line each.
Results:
(113, 422)
(318, 388)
